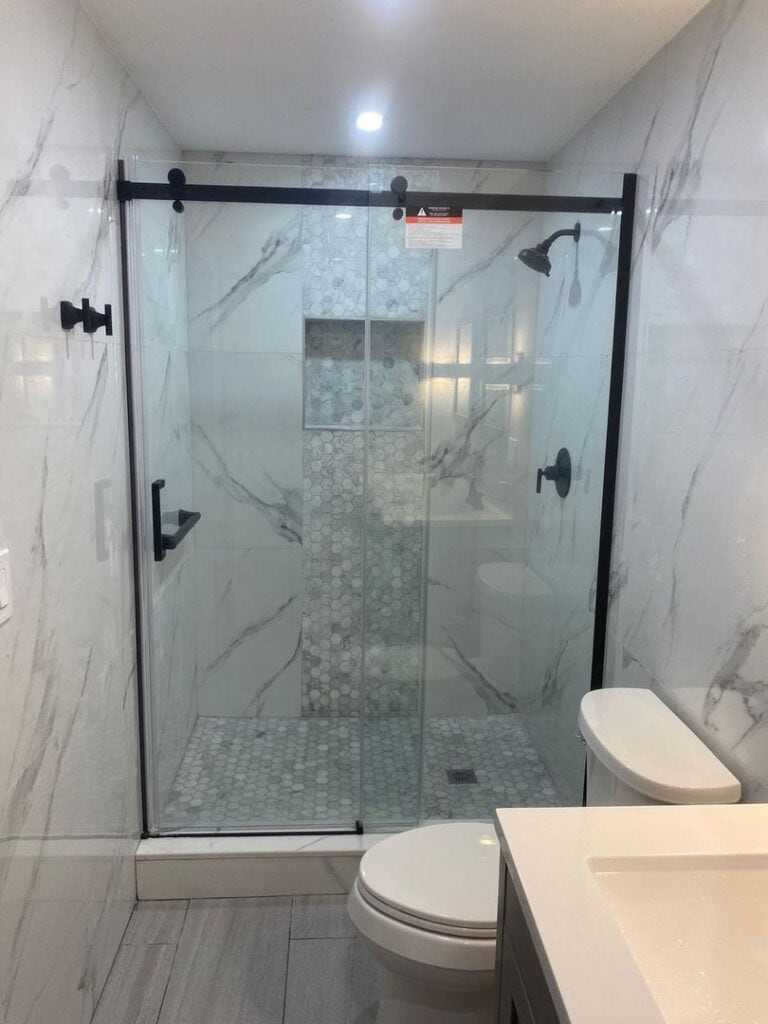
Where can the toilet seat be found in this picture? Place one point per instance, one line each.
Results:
(421, 947)
(425, 901)
(415, 921)
(439, 878)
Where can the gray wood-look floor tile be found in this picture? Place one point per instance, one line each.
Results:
(155, 921)
(136, 984)
(230, 963)
(321, 917)
(330, 981)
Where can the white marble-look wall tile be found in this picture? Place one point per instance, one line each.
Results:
(247, 448)
(244, 274)
(690, 587)
(246, 390)
(244, 281)
(158, 244)
(69, 816)
(249, 637)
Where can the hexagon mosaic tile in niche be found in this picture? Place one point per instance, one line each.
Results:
(335, 574)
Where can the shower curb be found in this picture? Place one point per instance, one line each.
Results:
(204, 867)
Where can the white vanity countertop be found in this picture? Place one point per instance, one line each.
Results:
(646, 915)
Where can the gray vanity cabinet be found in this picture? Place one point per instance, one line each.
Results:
(523, 995)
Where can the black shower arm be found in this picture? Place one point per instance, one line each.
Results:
(574, 233)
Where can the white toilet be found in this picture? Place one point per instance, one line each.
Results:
(425, 900)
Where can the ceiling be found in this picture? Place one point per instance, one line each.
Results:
(472, 79)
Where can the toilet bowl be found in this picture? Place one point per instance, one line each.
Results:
(425, 901)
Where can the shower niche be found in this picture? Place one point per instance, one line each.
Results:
(335, 377)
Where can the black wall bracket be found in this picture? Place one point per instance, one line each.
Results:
(177, 179)
(89, 317)
(399, 186)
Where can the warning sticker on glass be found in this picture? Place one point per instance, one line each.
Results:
(433, 227)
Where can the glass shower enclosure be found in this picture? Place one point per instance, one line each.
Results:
(374, 452)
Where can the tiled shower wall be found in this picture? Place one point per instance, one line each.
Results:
(280, 453)
(690, 584)
(69, 808)
(301, 516)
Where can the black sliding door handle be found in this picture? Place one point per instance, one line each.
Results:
(163, 542)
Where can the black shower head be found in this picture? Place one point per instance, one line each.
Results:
(537, 257)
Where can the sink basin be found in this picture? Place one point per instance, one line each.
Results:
(697, 928)
(646, 914)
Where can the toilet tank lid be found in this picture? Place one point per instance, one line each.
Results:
(638, 738)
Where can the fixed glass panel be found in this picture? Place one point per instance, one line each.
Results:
(568, 409)
(478, 754)
(494, 579)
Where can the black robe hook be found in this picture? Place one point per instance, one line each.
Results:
(89, 317)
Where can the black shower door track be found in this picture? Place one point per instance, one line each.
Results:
(127, 190)
(624, 204)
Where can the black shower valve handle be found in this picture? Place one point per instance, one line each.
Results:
(547, 473)
(560, 473)
(90, 318)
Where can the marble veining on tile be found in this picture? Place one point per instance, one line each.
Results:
(688, 614)
(69, 820)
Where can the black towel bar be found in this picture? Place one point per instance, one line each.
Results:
(168, 541)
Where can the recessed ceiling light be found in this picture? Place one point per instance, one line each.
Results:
(369, 121)
(343, 216)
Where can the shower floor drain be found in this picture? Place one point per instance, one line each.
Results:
(457, 776)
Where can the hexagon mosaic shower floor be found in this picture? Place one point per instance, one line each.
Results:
(250, 772)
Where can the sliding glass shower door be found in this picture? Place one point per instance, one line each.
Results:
(253, 378)
(357, 610)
